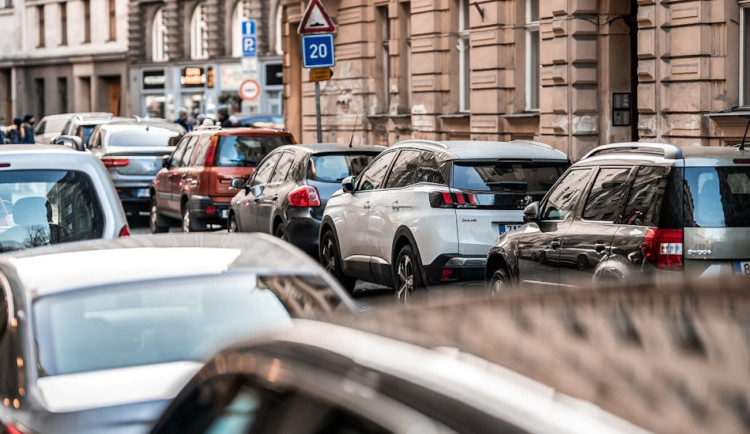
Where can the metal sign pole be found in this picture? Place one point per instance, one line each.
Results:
(317, 111)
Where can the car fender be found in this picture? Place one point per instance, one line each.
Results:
(507, 248)
(405, 232)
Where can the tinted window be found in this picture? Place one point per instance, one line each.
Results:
(85, 131)
(185, 158)
(282, 169)
(404, 169)
(373, 176)
(335, 167)
(429, 170)
(562, 200)
(532, 178)
(645, 197)
(247, 150)
(141, 137)
(607, 195)
(38, 208)
(174, 159)
(717, 197)
(201, 148)
(263, 174)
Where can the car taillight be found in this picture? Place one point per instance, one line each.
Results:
(444, 199)
(210, 153)
(663, 248)
(115, 162)
(124, 232)
(210, 210)
(305, 196)
(13, 429)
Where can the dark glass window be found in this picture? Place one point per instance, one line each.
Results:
(645, 197)
(607, 195)
(282, 169)
(336, 167)
(263, 173)
(372, 178)
(185, 159)
(562, 200)
(404, 170)
(174, 159)
(429, 170)
(717, 197)
(502, 177)
(239, 151)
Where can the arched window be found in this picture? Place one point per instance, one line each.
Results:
(199, 33)
(238, 17)
(159, 38)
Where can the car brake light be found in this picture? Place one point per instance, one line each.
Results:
(13, 429)
(210, 210)
(663, 248)
(305, 196)
(210, 153)
(446, 274)
(124, 232)
(742, 161)
(4, 164)
(443, 199)
(115, 162)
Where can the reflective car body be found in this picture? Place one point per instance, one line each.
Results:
(90, 345)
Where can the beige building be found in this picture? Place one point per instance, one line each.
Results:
(571, 73)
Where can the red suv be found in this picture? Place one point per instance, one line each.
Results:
(194, 185)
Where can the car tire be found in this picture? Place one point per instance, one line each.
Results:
(500, 282)
(187, 221)
(232, 225)
(157, 222)
(280, 232)
(407, 274)
(582, 262)
(331, 260)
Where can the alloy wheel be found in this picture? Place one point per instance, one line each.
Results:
(328, 255)
(405, 273)
(186, 219)
(232, 226)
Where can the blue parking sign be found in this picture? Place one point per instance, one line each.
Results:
(249, 46)
(249, 28)
(317, 51)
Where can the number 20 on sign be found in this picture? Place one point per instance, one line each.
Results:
(317, 51)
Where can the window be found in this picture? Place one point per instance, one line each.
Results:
(64, 23)
(607, 195)
(247, 151)
(563, 199)
(336, 167)
(40, 23)
(642, 207)
(372, 178)
(199, 33)
(240, 15)
(717, 197)
(745, 53)
(429, 170)
(112, 21)
(384, 37)
(464, 60)
(174, 159)
(6, 4)
(159, 38)
(282, 169)
(62, 93)
(86, 21)
(185, 158)
(263, 174)
(405, 17)
(532, 55)
(278, 30)
(41, 99)
(404, 170)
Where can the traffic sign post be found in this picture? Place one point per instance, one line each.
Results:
(249, 90)
(249, 46)
(321, 74)
(318, 51)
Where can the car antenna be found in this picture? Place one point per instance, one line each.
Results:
(744, 136)
(351, 139)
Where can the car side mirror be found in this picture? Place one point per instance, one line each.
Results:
(348, 184)
(238, 183)
(74, 142)
(531, 213)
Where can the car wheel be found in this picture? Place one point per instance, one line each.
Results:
(582, 262)
(280, 232)
(499, 282)
(542, 257)
(406, 274)
(232, 225)
(157, 222)
(331, 261)
(186, 223)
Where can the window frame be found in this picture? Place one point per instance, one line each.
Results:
(272, 179)
(576, 206)
(386, 182)
(360, 178)
(744, 6)
(199, 33)
(464, 56)
(63, 23)
(112, 14)
(533, 64)
(159, 37)
(258, 168)
(40, 22)
(86, 21)
(626, 193)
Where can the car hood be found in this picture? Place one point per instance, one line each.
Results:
(89, 390)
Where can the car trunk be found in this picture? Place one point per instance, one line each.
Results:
(135, 161)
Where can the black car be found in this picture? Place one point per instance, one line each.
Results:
(634, 211)
(289, 190)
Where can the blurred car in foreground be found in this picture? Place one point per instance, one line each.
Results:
(52, 194)
(287, 194)
(98, 336)
(319, 378)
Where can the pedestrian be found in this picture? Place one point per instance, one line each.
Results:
(28, 129)
(224, 119)
(182, 119)
(15, 131)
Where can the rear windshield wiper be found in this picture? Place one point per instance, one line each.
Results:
(508, 185)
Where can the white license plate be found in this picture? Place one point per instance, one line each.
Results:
(507, 227)
(224, 213)
(142, 192)
(742, 268)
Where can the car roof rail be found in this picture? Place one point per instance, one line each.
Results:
(533, 142)
(207, 127)
(423, 142)
(671, 152)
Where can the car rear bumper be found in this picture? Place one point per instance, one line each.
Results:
(303, 233)
(134, 199)
(206, 211)
(447, 268)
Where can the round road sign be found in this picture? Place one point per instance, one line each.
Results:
(249, 90)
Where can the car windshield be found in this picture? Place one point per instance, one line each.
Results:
(505, 177)
(717, 197)
(41, 207)
(335, 167)
(167, 320)
(248, 150)
(146, 137)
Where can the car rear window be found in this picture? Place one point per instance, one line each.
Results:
(238, 151)
(335, 167)
(150, 137)
(42, 207)
(717, 197)
(507, 177)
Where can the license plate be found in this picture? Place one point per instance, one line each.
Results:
(742, 268)
(506, 227)
(142, 192)
(224, 213)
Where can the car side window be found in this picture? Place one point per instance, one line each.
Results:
(404, 169)
(607, 195)
(185, 159)
(174, 159)
(564, 197)
(429, 169)
(642, 207)
(372, 178)
(201, 148)
(282, 169)
(263, 172)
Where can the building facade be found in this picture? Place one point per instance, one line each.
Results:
(188, 53)
(571, 73)
(62, 56)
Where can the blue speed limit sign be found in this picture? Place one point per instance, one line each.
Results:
(317, 51)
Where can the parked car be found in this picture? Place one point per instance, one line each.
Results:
(133, 153)
(428, 212)
(259, 120)
(90, 345)
(52, 194)
(50, 127)
(317, 378)
(195, 184)
(287, 194)
(83, 124)
(632, 211)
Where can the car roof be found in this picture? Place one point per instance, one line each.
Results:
(336, 147)
(34, 149)
(140, 127)
(665, 153)
(240, 131)
(481, 150)
(71, 266)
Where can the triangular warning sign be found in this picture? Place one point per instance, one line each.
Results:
(315, 20)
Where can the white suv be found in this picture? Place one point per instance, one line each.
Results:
(427, 212)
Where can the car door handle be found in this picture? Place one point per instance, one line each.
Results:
(600, 247)
(367, 205)
(395, 205)
(555, 244)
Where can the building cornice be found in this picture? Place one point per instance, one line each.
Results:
(63, 59)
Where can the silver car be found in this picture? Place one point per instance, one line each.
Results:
(50, 127)
(53, 194)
